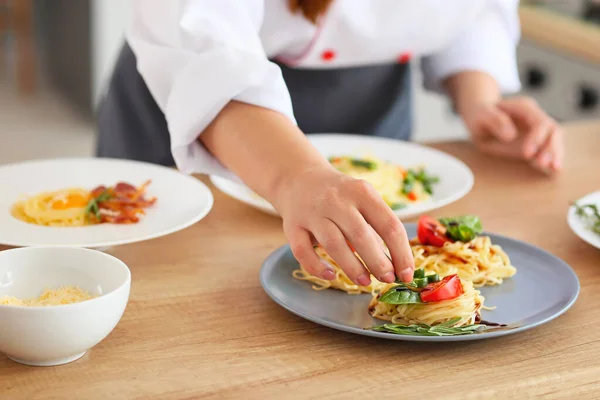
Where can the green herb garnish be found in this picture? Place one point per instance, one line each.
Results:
(409, 293)
(591, 216)
(93, 207)
(370, 165)
(400, 295)
(418, 175)
(463, 229)
(445, 329)
(397, 206)
(419, 273)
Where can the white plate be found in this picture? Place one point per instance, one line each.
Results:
(578, 226)
(182, 200)
(456, 179)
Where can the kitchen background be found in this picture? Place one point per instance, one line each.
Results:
(57, 55)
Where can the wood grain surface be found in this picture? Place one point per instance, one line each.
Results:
(198, 324)
(567, 35)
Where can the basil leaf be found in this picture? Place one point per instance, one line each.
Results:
(406, 296)
(463, 229)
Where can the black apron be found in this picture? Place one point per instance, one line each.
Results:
(373, 100)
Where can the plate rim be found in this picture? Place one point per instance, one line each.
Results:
(110, 243)
(409, 212)
(412, 338)
(571, 220)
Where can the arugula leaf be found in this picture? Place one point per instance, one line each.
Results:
(444, 329)
(400, 295)
(463, 229)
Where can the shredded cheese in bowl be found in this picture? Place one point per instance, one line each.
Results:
(50, 297)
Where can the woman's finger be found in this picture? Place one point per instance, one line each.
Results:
(499, 125)
(302, 248)
(365, 242)
(532, 120)
(536, 137)
(551, 155)
(388, 226)
(334, 242)
(524, 111)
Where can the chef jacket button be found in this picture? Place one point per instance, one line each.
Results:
(328, 55)
(404, 58)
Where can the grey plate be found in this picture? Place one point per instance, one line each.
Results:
(543, 288)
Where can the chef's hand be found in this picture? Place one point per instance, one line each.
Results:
(324, 206)
(517, 128)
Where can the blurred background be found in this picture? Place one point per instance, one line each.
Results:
(57, 55)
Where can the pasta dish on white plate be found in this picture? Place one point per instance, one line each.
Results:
(398, 186)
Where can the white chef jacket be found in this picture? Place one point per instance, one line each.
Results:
(197, 55)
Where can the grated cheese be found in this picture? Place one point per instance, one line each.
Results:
(50, 297)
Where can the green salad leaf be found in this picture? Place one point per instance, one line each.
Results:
(463, 229)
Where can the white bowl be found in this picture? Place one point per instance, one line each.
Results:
(54, 335)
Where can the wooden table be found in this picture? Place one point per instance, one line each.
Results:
(198, 325)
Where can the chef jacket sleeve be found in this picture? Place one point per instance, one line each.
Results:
(488, 45)
(195, 57)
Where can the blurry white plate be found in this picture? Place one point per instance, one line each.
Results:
(456, 179)
(182, 200)
(578, 225)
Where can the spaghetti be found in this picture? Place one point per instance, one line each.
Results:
(64, 207)
(341, 280)
(462, 310)
(398, 187)
(454, 246)
(76, 207)
(478, 260)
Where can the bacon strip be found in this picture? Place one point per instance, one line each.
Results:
(125, 204)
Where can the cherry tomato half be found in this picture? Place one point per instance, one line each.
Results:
(431, 232)
(447, 289)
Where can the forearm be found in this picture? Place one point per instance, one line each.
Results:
(263, 147)
(470, 88)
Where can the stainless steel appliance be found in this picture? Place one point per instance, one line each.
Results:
(567, 87)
